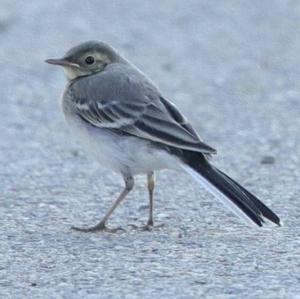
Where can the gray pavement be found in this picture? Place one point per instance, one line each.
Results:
(233, 67)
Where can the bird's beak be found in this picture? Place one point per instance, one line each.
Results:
(62, 62)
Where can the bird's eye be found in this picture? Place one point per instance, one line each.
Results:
(90, 60)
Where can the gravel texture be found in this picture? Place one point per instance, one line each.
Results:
(233, 67)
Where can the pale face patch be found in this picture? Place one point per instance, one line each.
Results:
(72, 72)
(101, 60)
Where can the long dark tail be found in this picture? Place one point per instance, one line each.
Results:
(237, 198)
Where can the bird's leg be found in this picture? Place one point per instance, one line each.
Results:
(150, 223)
(150, 183)
(129, 183)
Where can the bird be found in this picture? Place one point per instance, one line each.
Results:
(124, 121)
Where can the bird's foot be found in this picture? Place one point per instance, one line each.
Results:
(101, 227)
(148, 227)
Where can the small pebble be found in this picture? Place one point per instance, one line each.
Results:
(267, 160)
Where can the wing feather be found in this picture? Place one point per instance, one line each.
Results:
(155, 120)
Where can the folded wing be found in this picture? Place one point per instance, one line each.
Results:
(155, 120)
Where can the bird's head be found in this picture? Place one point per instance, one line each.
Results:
(86, 59)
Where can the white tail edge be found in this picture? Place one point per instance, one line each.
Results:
(218, 194)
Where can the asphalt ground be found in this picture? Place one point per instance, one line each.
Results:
(232, 67)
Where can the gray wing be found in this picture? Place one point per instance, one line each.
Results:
(158, 121)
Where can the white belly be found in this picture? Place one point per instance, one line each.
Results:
(123, 154)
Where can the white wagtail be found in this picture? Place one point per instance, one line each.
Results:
(126, 123)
